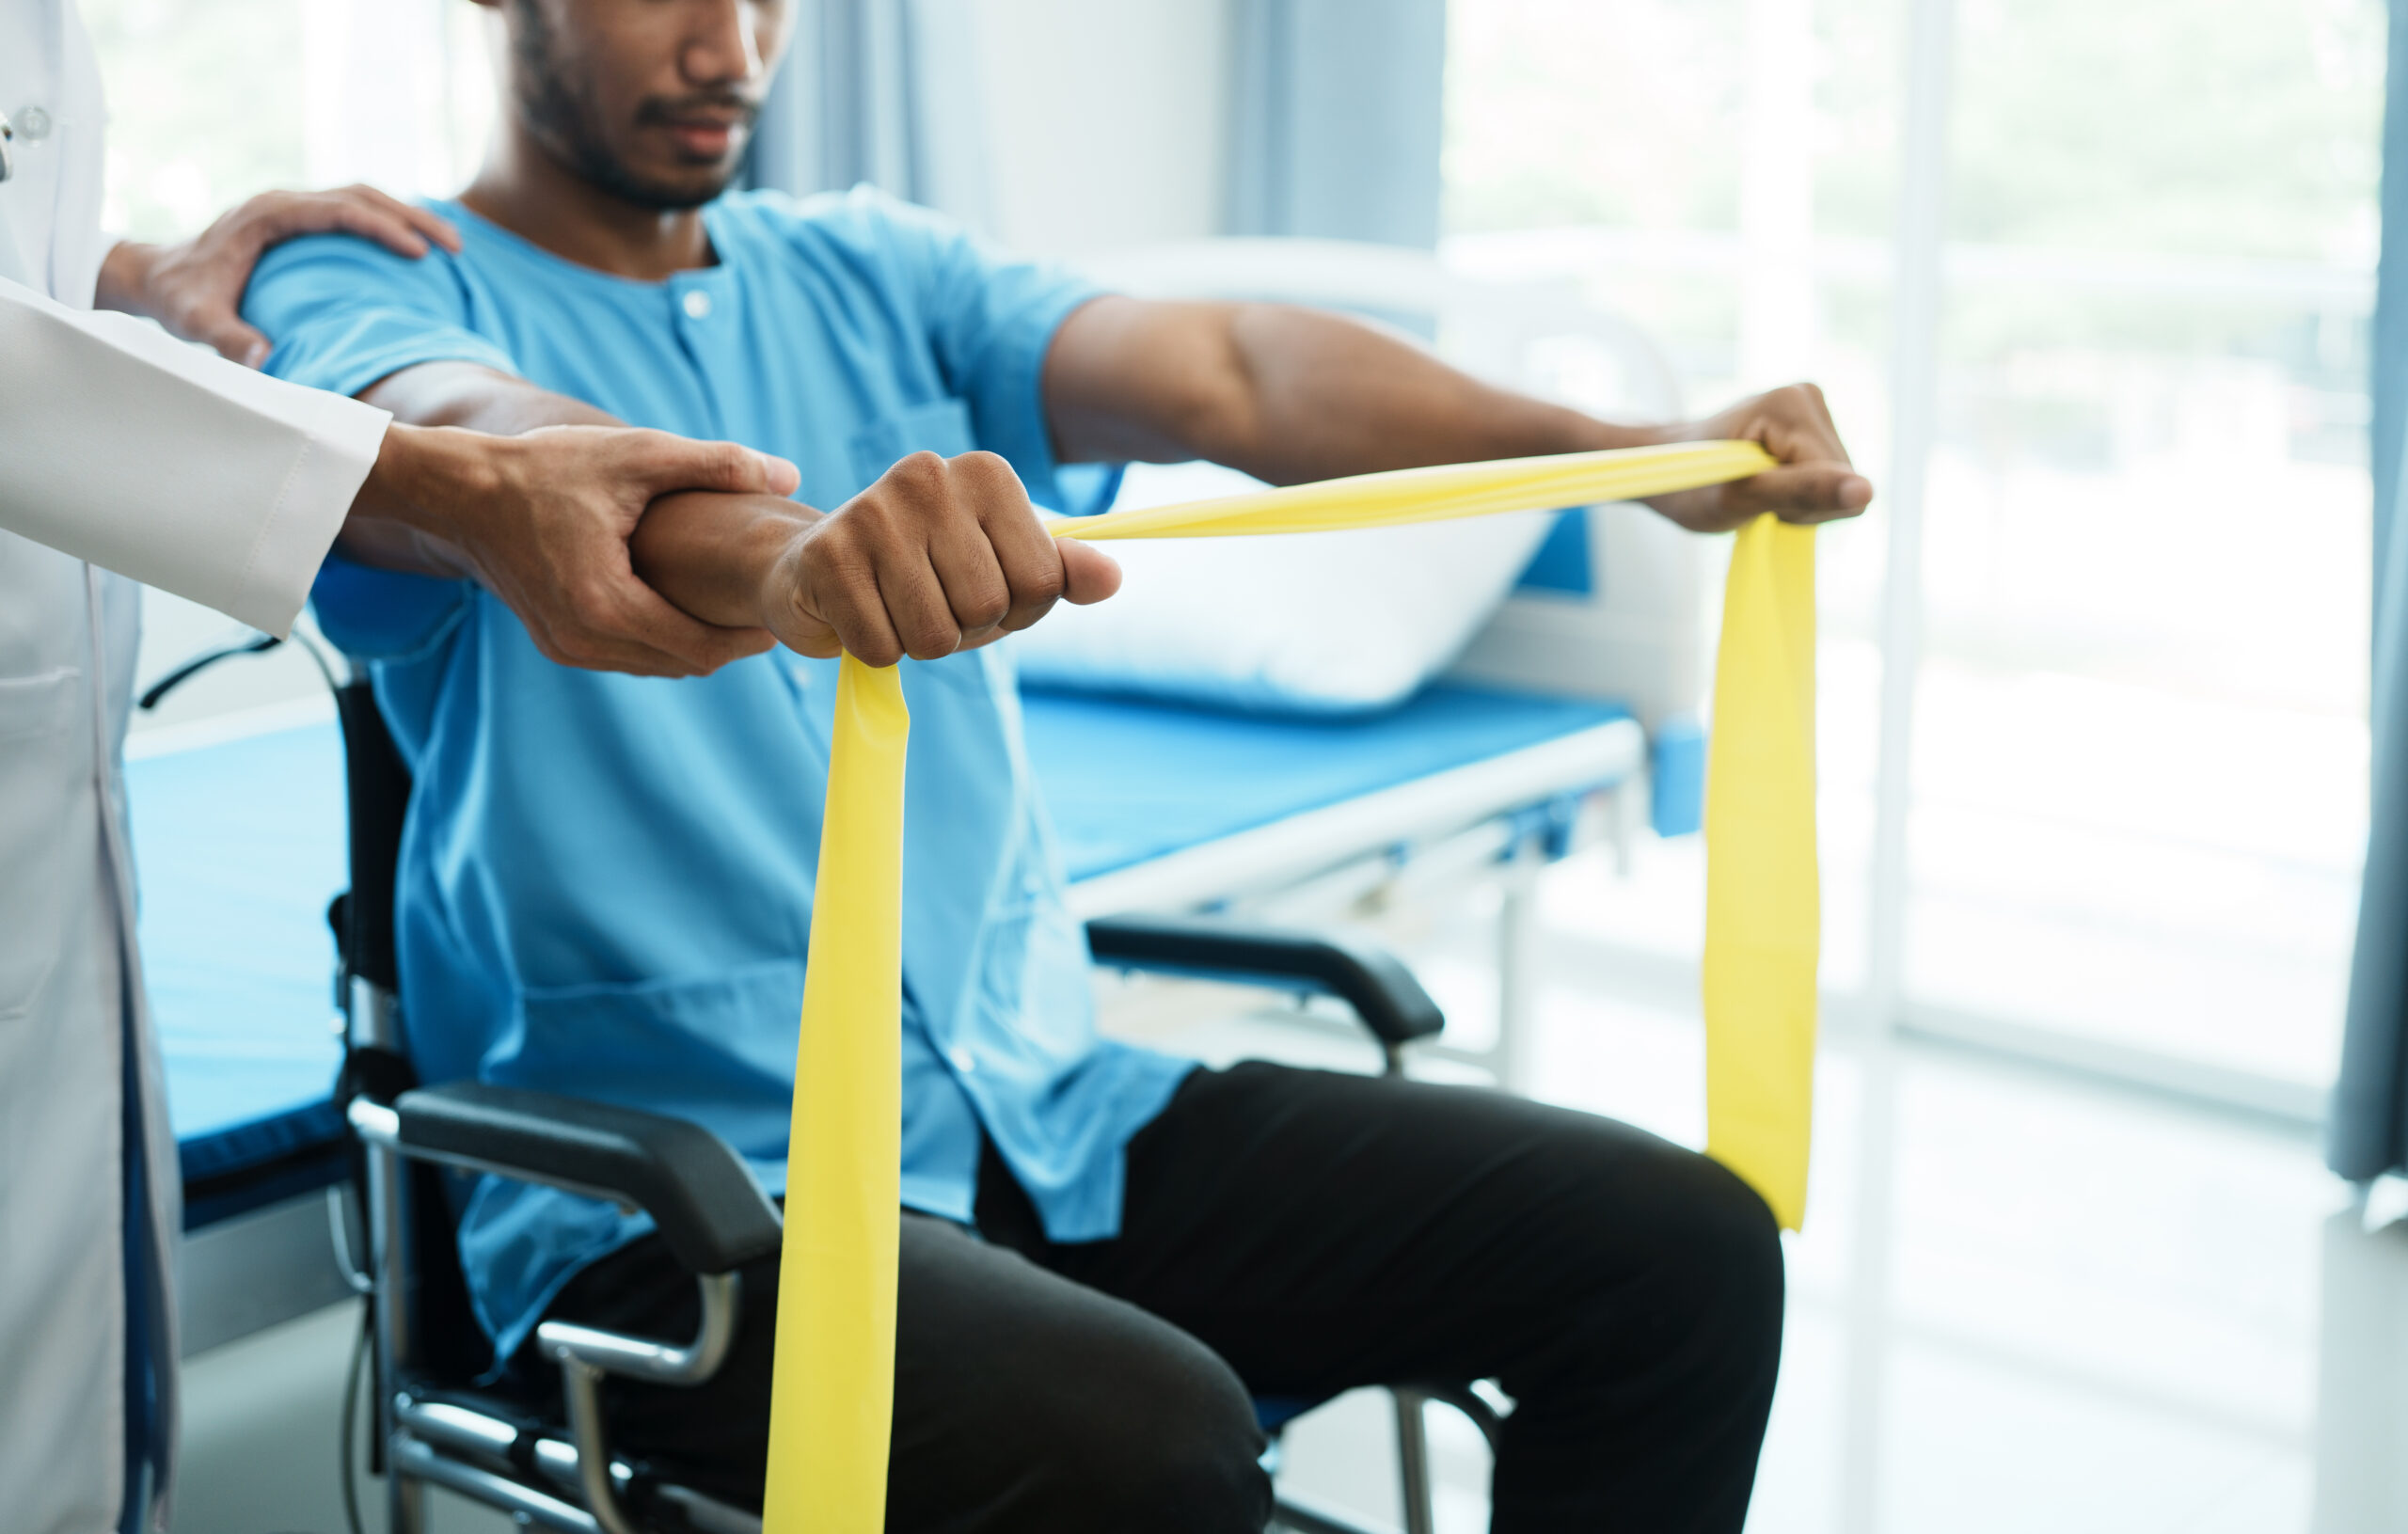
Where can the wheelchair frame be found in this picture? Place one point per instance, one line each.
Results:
(711, 1214)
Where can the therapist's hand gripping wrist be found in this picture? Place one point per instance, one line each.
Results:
(940, 556)
(542, 520)
(194, 289)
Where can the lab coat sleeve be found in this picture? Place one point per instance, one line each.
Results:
(125, 447)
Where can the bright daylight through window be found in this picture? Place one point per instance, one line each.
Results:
(2139, 748)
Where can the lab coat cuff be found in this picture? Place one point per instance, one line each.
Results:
(341, 441)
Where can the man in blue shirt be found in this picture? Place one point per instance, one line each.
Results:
(606, 882)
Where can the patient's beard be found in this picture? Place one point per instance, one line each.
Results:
(560, 111)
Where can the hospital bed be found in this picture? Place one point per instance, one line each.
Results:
(1570, 717)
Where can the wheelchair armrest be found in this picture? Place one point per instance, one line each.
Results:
(1366, 977)
(711, 1214)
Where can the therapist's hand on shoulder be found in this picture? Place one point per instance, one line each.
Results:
(941, 555)
(1816, 482)
(195, 288)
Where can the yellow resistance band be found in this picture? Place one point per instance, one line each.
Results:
(833, 1393)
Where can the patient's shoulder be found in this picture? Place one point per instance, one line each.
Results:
(319, 271)
(343, 312)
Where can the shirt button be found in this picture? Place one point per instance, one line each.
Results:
(963, 1061)
(33, 125)
(698, 304)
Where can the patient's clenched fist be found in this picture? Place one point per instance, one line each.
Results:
(1814, 481)
(941, 555)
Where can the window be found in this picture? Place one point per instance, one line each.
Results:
(2137, 795)
(212, 101)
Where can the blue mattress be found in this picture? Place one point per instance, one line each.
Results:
(237, 849)
(240, 847)
(1128, 781)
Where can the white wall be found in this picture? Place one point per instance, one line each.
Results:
(1105, 120)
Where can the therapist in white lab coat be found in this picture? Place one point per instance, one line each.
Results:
(126, 454)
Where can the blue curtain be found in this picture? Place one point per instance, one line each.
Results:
(883, 91)
(2367, 1132)
(1336, 118)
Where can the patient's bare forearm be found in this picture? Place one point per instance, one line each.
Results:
(1286, 394)
(712, 554)
(939, 556)
(1291, 395)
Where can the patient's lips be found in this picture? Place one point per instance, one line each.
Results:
(703, 140)
(704, 126)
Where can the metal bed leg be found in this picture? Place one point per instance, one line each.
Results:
(1517, 965)
(1413, 1461)
(1622, 813)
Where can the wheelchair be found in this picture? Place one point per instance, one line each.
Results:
(436, 1425)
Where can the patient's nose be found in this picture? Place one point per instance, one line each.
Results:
(726, 44)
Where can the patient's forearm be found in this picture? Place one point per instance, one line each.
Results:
(1286, 394)
(713, 555)
(939, 556)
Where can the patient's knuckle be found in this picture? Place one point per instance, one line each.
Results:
(980, 464)
(930, 639)
(1040, 583)
(919, 473)
(985, 605)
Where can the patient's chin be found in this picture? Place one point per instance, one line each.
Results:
(668, 190)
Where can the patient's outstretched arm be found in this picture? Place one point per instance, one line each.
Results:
(1292, 394)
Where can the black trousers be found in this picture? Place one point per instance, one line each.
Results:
(1290, 1233)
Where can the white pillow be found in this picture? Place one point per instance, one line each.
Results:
(1313, 623)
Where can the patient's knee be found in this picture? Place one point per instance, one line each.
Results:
(1716, 1287)
(1162, 1437)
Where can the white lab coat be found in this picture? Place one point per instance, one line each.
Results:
(122, 447)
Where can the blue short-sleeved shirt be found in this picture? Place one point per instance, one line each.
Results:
(605, 880)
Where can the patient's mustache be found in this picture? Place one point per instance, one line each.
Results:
(665, 111)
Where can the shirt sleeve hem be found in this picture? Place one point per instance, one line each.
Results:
(1024, 436)
(337, 453)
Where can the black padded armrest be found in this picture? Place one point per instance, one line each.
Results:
(712, 1215)
(1364, 975)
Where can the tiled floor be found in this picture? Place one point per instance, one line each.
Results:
(2021, 1304)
